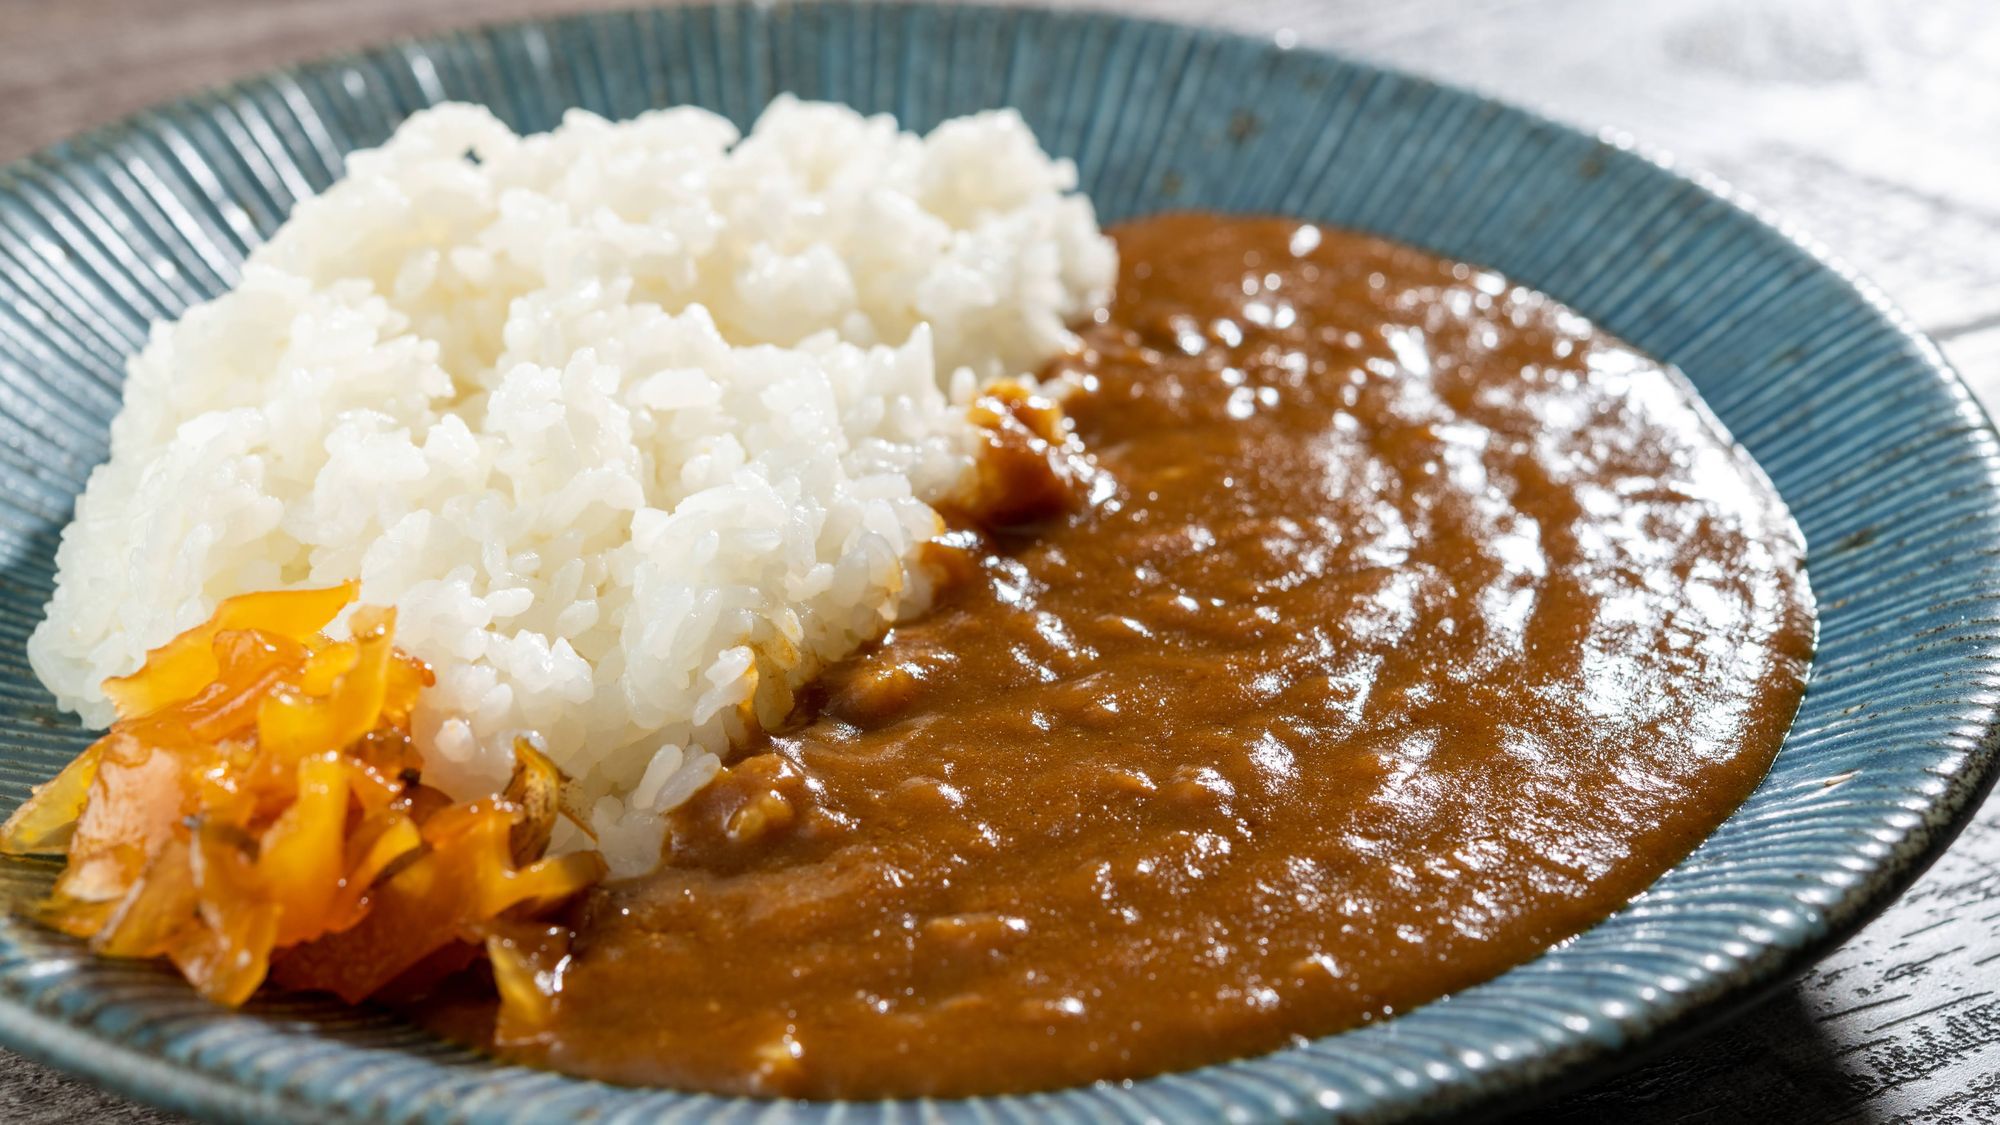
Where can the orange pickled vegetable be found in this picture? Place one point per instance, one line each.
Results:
(527, 962)
(465, 879)
(258, 803)
(44, 824)
(185, 665)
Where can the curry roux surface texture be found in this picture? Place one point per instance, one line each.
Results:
(1407, 625)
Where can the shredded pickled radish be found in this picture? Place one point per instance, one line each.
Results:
(257, 811)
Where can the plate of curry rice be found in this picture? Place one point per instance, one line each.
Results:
(857, 561)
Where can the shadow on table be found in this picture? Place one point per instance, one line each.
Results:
(1774, 1065)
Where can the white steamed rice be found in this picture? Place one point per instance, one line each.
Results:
(636, 424)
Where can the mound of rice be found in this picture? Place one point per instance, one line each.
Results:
(636, 424)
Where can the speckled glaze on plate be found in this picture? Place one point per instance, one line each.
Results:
(1890, 467)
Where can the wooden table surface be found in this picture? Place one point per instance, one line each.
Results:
(1872, 124)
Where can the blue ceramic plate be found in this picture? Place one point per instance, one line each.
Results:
(1887, 463)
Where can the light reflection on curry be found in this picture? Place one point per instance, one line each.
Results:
(1380, 624)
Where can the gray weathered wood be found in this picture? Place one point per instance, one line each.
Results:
(1872, 124)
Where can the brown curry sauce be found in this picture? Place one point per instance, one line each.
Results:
(1398, 625)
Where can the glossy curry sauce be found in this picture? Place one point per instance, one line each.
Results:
(1404, 626)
